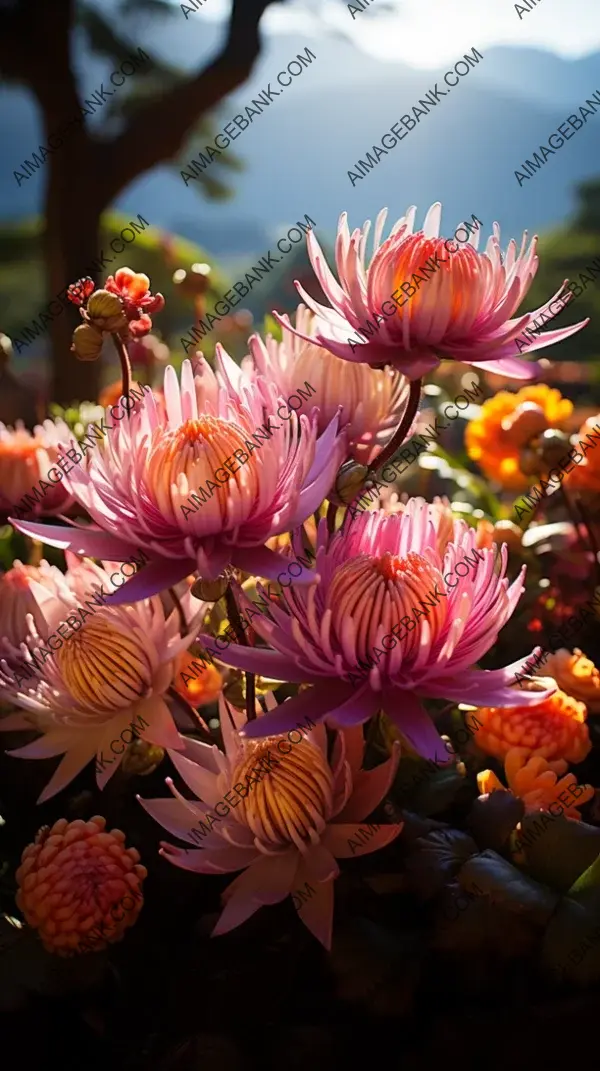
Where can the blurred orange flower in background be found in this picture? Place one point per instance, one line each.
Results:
(535, 781)
(585, 476)
(575, 674)
(79, 886)
(553, 729)
(204, 687)
(506, 423)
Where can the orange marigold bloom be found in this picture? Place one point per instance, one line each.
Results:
(79, 886)
(585, 475)
(202, 689)
(576, 675)
(506, 423)
(535, 781)
(554, 729)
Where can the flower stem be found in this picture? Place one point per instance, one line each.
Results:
(121, 349)
(396, 440)
(177, 602)
(234, 616)
(402, 430)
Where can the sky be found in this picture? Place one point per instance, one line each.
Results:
(426, 34)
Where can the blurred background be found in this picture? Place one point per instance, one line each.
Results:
(206, 62)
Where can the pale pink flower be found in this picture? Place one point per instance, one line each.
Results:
(104, 682)
(22, 589)
(302, 814)
(348, 634)
(373, 400)
(138, 482)
(25, 459)
(462, 311)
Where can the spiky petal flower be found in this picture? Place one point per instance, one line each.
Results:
(462, 312)
(79, 886)
(138, 486)
(104, 686)
(25, 459)
(373, 400)
(536, 781)
(554, 729)
(403, 608)
(303, 813)
(17, 599)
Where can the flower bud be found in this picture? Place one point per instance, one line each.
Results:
(553, 447)
(105, 310)
(527, 421)
(530, 462)
(348, 483)
(87, 342)
(210, 590)
(507, 532)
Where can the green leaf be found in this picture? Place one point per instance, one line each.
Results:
(571, 946)
(559, 850)
(493, 876)
(492, 819)
(436, 858)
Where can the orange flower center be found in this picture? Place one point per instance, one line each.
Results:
(104, 667)
(369, 596)
(191, 460)
(292, 800)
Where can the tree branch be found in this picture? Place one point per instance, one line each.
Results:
(157, 131)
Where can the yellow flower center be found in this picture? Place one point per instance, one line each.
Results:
(104, 667)
(292, 800)
(192, 460)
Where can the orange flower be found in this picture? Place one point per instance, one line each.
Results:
(506, 423)
(201, 687)
(79, 886)
(553, 729)
(585, 475)
(535, 781)
(576, 675)
(111, 394)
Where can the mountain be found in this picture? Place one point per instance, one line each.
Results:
(297, 154)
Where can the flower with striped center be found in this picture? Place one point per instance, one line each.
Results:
(277, 809)
(293, 802)
(404, 607)
(192, 457)
(202, 480)
(373, 400)
(93, 684)
(104, 662)
(422, 299)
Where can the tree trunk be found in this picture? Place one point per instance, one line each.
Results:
(73, 212)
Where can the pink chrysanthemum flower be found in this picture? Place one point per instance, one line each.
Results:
(25, 459)
(22, 589)
(373, 400)
(462, 311)
(138, 485)
(301, 812)
(403, 607)
(95, 688)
